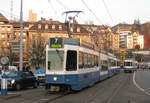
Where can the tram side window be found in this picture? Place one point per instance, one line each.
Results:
(81, 60)
(71, 63)
(96, 61)
(85, 60)
(89, 60)
(104, 64)
(118, 63)
(112, 62)
(92, 60)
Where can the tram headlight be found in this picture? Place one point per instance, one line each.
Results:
(55, 78)
(12, 81)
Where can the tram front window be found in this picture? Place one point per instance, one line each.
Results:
(55, 60)
(127, 63)
(71, 63)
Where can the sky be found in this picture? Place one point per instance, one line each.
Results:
(99, 12)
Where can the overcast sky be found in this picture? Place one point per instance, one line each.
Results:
(119, 10)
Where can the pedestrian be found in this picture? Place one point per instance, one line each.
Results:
(23, 69)
(36, 68)
(27, 68)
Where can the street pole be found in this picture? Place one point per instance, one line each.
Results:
(21, 32)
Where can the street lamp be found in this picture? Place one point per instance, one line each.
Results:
(21, 32)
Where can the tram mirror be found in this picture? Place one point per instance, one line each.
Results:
(49, 65)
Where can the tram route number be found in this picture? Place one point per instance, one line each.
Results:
(56, 43)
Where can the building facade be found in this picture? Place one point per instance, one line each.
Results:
(6, 31)
(32, 16)
(129, 40)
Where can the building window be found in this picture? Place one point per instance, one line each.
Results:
(60, 27)
(24, 34)
(71, 29)
(39, 26)
(8, 35)
(53, 27)
(8, 28)
(3, 36)
(3, 28)
(24, 40)
(78, 29)
(46, 26)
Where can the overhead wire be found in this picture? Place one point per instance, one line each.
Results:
(107, 10)
(65, 7)
(49, 1)
(91, 11)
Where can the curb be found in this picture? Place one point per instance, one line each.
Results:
(9, 96)
(140, 88)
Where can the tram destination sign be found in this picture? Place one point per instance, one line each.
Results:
(56, 42)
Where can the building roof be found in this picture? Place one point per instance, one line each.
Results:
(57, 29)
(3, 19)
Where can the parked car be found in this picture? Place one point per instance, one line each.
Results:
(21, 79)
(40, 74)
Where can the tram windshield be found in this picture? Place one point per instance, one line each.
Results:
(55, 60)
(127, 63)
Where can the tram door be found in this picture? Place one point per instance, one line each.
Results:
(71, 62)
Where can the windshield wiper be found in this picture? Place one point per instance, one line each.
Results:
(59, 55)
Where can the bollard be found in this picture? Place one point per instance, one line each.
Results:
(4, 84)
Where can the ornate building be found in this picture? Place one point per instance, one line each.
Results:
(6, 31)
(37, 33)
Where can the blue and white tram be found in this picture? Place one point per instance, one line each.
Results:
(118, 65)
(103, 66)
(70, 66)
(112, 69)
(129, 65)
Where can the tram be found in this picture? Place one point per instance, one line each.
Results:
(129, 65)
(73, 65)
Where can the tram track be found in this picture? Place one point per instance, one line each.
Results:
(102, 89)
(91, 96)
(48, 99)
(116, 90)
(108, 94)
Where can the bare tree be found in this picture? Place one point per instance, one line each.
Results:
(37, 51)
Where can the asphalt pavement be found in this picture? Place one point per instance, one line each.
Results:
(118, 89)
(142, 80)
(121, 88)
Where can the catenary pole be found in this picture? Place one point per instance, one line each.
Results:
(21, 32)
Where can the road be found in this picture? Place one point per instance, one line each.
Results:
(118, 89)
(143, 84)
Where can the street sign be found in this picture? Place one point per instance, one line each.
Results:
(4, 60)
(16, 48)
(13, 41)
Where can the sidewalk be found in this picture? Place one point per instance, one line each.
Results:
(9, 96)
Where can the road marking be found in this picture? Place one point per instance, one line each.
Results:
(43, 99)
(147, 89)
(115, 93)
(140, 88)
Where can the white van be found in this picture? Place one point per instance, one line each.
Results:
(12, 68)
